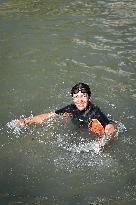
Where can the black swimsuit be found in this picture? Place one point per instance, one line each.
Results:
(82, 118)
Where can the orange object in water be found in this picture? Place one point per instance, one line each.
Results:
(96, 127)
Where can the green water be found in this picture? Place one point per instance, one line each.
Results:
(46, 46)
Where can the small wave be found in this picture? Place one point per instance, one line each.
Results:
(85, 147)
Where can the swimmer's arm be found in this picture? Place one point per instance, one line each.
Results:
(36, 119)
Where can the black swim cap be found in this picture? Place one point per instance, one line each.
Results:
(84, 88)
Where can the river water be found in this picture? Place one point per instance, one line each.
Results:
(46, 47)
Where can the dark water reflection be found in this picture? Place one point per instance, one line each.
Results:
(46, 47)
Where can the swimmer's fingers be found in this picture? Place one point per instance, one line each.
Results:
(23, 122)
(20, 123)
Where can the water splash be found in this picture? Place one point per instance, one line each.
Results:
(13, 126)
(121, 127)
(15, 129)
(85, 147)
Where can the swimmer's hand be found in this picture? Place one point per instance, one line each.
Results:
(23, 122)
(110, 130)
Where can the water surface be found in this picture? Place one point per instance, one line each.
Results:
(46, 47)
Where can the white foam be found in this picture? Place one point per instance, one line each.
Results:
(14, 127)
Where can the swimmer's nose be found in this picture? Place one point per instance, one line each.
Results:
(80, 100)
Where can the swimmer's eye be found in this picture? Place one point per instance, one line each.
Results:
(75, 96)
(85, 95)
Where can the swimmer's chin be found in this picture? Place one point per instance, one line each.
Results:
(81, 108)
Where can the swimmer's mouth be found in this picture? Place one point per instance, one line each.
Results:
(80, 105)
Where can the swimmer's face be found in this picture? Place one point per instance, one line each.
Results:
(81, 100)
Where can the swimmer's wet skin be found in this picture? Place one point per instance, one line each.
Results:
(82, 112)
